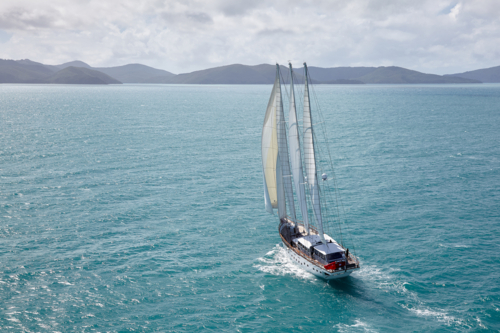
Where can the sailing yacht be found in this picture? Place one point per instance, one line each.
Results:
(305, 241)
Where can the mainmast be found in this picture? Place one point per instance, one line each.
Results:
(310, 158)
(295, 155)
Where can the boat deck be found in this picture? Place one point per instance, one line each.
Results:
(300, 231)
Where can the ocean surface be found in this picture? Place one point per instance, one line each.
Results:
(139, 208)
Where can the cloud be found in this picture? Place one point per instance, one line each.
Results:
(438, 36)
(23, 19)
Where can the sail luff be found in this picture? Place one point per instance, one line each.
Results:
(310, 159)
(283, 154)
(295, 155)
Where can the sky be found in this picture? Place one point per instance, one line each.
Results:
(431, 36)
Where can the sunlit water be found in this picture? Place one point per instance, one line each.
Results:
(140, 208)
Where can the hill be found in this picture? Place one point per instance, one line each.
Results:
(265, 74)
(230, 74)
(398, 75)
(80, 75)
(76, 63)
(131, 73)
(23, 71)
(487, 75)
(134, 73)
(342, 81)
(334, 74)
(27, 71)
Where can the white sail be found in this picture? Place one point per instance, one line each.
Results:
(270, 151)
(310, 159)
(295, 155)
(283, 152)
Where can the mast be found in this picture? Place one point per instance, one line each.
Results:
(310, 158)
(295, 155)
(283, 156)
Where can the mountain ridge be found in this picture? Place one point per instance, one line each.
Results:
(27, 71)
(399, 75)
(486, 75)
(80, 75)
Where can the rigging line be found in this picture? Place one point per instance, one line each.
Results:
(328, 192)
(325, 209)
(331, 163)
(336, 191)
(324, 200)
(339, 217)
(337, 194)
(337, 223)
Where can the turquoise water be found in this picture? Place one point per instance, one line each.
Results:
(139, 208)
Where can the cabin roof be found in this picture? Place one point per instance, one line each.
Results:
(309, 240)
(315, 240)
(332, 248)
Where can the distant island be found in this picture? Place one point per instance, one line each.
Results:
(78, 72)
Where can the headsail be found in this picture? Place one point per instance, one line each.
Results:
(270, 151)
(310, 159)
(295, 155)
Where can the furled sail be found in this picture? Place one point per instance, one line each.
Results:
(295, 156)
(310, 159)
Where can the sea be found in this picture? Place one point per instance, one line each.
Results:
(139, 208)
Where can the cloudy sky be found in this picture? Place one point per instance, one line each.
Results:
(432, 36)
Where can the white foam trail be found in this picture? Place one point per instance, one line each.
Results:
(358, 326)
(462, 245)
(439, 315)
(382, 279)
(276, 262)
(66, 283)
(454, 245)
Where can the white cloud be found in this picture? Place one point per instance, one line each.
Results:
(438, 36)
